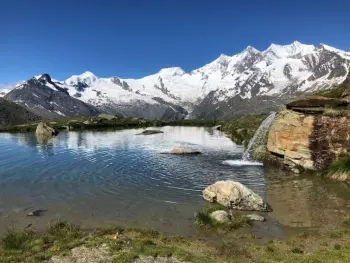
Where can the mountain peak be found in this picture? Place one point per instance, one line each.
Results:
(288, 51)
(87, 78)
(251, 49)
(174, 71)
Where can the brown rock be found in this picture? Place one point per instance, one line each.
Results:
(316, 101)
(313, 142)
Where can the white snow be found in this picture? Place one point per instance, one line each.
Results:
(227, 76)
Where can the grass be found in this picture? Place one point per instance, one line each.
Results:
(332, 112)
(61, 237)
(339, 170)
(204, 221)
(95, 124)
(333, 92)
(242, 129)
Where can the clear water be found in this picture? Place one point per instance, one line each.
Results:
(102, 178)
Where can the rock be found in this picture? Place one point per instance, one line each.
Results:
(182, 151)
(45, 131)
(234, 195)
(308, 141)
(86, 122)
(107, 116)
(150, 259)
(220, 216)
(255, 217)
(217, 127)
(150, 132)
(315, 102)
(36, 212)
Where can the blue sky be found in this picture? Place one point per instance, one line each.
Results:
(133, 38)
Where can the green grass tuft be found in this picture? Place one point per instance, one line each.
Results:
(17, 240)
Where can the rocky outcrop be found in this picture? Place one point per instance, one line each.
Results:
(308, 141)
(234, 195)
(315, 104)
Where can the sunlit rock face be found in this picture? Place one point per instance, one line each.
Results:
(310, 141)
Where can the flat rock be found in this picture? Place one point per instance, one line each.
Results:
(150, 132)
(220, 216)
(183, 151)
(316, 102)
(255, 217)
(234, 195)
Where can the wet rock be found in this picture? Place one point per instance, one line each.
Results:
(37, 212)
(182, 151)
(220, 216)
(217, 127)
(45, 131)
(234, 195)
(150, 132)
(255, 217)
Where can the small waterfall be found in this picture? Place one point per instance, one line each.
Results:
(259, 136)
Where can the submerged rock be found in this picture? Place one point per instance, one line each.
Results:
(220, 216)
(255, 217)
(150, 132)
(181, 151)
(234, 195)
(43, 130)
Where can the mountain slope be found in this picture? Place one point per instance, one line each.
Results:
(251, 81)
(13, 114)
(47, 99)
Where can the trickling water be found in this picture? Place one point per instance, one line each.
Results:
(259, 136)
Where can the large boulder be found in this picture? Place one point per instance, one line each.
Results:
(234, 195)
(43, 130)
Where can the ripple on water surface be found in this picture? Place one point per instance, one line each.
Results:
(96, 178)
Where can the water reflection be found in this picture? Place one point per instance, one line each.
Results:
(97, 178)
(306, 201)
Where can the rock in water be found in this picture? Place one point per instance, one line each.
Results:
(43, 130)
(150, 132)
(234, 195)
(220, 216)
(182, 151)
(255, 217)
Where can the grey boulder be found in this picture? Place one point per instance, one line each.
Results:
(234, 195)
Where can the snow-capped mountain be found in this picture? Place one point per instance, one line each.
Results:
(249, 82)
(46, 98)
